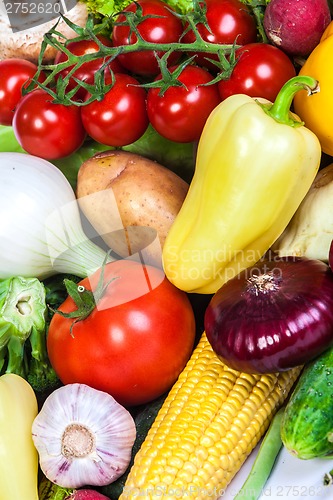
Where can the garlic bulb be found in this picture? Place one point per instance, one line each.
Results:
(83, 437)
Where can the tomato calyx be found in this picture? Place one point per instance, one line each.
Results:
(134, 18)
(168, 77)
(196, 16)
(84, 299)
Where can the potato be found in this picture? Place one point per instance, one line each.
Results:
(131, 201)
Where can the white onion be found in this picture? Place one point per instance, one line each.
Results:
(40, 226)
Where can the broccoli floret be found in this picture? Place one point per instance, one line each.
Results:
(42, 377)
(23, 325)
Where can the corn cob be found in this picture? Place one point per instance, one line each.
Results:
(210, 422)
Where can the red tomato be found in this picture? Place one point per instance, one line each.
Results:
(120, 118)
(181, 112)
(136, 341)
(45, 129)
(229, 21)
(86, 72)
(261, 71)
(164, 29)
(14, 75)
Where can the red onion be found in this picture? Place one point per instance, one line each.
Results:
(273, 316)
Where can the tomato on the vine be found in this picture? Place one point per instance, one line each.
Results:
(134, 343)
(260, 71)
(15, 74)
(87, 70)
(120, 118)
(46, 129)
(229, 21)
(180, 113)
(162, 27)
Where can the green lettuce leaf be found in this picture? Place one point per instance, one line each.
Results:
(178, 157)
(69, 165)
(100, 8)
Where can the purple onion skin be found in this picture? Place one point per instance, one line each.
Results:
(276, 329)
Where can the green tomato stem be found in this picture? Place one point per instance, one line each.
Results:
(57, 88)
(84, 299)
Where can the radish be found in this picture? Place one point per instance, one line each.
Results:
(296, 26)
(86, 495)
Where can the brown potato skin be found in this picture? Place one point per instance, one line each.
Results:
(147, 195)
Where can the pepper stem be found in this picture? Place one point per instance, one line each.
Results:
(280, 109)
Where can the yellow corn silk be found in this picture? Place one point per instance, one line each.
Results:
(210, 422)
(255, 163)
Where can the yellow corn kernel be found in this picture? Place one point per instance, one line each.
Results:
(210, 422)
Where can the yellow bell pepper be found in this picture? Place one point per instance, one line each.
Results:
(317, 112)
(255, 163)
(18, 455)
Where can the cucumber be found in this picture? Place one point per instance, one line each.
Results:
(307, 424)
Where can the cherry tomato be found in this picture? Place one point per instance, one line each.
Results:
(46, 129)
(15, 74)
(164, 29)
(229, 21)
(181, 112)
(120, 118)
(261, 71)
(86, 72)
(134, 343)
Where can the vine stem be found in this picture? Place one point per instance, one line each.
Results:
(56, 87)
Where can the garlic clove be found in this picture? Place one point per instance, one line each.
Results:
(83, 437)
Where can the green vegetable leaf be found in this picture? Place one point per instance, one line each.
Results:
(8, 142)
(23, 324)
(178, 157)
(69, 165)
(101, 8)
(22, 308)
